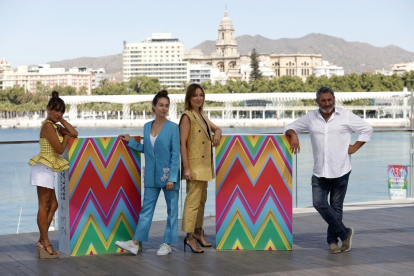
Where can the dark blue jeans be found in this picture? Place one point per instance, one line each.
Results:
(335, 188)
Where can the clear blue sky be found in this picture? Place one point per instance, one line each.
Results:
(37, 31)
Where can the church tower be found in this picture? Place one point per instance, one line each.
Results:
(226, 45)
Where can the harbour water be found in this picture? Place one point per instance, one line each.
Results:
(368, 180)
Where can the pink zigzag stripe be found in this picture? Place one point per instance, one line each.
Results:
(246, 150)
(105, 218)
(253, 216)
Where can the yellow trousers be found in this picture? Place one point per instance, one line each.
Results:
(195, 202)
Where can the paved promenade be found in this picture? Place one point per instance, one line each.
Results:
(383, 245)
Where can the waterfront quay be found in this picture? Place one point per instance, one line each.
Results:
(383, 245)
(390, 109)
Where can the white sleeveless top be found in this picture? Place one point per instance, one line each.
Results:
(153, 139)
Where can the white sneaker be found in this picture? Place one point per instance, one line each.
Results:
(129, 246)
(165, 249)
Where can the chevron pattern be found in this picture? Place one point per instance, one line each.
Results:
(104, 194)
(254, 193)
(397, 177)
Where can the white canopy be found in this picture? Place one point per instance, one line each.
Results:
(237, 97)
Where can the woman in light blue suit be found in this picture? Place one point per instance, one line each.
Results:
(162, 159)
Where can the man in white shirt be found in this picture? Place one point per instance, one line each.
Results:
(330, 130)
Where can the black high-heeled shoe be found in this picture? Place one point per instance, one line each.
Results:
(194, 251)
(200, 241)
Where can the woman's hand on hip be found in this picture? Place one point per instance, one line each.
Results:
(187, 174)
(125, 137)
(170, 185)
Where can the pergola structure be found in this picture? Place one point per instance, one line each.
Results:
(227, 98)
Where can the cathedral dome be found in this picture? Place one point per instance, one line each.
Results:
(226, 21)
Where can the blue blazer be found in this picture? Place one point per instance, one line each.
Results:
(162, 161)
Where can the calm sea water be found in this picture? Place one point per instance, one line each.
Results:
(368, 180)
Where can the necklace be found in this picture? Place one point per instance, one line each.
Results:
(156, 128)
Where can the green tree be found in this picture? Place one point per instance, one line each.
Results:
(144, 85)
(104, 83)
(290, 84)
(274, 85)
(260, 85)
(83, 91)
(354, 82)
(255, 74)
(408, 79)
(42, 89)
(238, 86)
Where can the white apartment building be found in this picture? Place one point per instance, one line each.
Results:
(160, 56)
(328, 69)
(246, 70)
(199, 73)
(4, 67)
(75, 77)
(401, 68)
(99, 75)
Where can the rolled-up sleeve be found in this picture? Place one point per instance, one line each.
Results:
(360, 126)
(298, 126)
(136, 145)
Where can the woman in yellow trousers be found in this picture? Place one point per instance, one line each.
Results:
(196, 142)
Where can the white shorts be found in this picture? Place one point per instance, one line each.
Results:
(41, 175)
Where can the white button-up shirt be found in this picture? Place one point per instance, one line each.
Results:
(330, 140)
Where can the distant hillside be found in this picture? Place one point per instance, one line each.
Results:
(112, 64)
(353, 56)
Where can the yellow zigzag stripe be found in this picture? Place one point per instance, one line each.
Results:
(106, 243)
(286, 143)
(73, 147)
(253, 171)
(105, 173)
(105, 141)
(237, 244)
(91, 249)
(271, 245)
(253, 139)
(254, 240)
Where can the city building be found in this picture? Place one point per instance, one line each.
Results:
(4, 66)
(401, 68)
(199, 73)
(327, 69)
(160, 56)
(227, 59)
(226, 56)
(99, 75)
(43, 73)
(376, 72)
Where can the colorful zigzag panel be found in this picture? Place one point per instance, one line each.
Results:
(254, 193)
(104, 194)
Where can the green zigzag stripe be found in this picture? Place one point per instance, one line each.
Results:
(270, 232)
(225, 145)
(105, 151)
(77, 149)
(254, 149)
(284, 148)
(91, 236)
